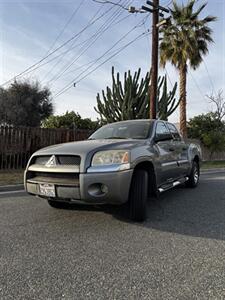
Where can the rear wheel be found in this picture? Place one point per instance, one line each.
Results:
(194, 176)
(57, 204)
(138, 195)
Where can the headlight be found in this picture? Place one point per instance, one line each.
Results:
(110, 157)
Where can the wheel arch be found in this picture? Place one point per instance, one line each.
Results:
(196, 158)
(195, 153)
(148, 166)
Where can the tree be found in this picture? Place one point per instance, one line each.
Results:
(130, 99)
(219, 101)
(70, 120)
(4, 107)
(209, 130)
(184, 41)
(25, 104)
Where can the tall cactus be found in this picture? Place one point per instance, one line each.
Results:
(166, 101)
(130, 100)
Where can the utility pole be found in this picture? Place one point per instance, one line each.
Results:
(155, 10)
(155, 54)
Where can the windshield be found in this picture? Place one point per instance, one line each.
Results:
(126, 130)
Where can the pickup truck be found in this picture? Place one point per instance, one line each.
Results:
(127, 161)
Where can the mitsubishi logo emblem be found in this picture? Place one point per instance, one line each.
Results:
(51, 162)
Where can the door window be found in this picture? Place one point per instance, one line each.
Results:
(174, 131)
(161, 129)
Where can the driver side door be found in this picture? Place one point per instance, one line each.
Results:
(166, 155)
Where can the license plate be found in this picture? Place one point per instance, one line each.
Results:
(47, 189)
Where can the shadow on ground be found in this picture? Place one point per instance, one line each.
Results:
(198, 212)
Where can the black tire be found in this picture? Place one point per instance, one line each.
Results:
(138, 195)
(57, 204)
(194, 176)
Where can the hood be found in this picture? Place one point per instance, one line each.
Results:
(84, 147)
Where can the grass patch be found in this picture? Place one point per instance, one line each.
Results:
(11, 177)
(213, 164)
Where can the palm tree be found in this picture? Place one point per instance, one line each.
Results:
(184, 41)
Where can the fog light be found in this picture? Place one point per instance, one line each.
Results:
(104, 189)
(97, 189)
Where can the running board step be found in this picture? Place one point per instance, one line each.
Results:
(172, 185)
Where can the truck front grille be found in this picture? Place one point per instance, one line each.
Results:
(66, 160)
(64, 179)
(63, 171)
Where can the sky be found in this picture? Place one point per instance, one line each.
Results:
(92, 33)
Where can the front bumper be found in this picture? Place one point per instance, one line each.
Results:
(91, 188)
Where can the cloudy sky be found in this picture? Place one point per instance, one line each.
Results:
(79, 41)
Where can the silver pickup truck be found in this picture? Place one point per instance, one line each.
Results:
(121, 162)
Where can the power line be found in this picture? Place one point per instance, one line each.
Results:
(197, 85)
(170, 81)
(57, 49)
(51, 60)
(119, 50)
(84, 48)
(96, 37)
(69, 66)
(116, 53)
(147, 39)
(110, 2)
(72, 46)
(87, 64)
(170, 2)
(68, 86)
(65, 26)
(210, 78)
(113, 46)
(61, 54)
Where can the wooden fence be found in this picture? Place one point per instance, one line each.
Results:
(18, 144)
(216, 156)
(206, 155)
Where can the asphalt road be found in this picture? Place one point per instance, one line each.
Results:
(96, 253)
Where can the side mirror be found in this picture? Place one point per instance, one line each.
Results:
(163, 137)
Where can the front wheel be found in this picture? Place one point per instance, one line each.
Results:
(138, 195)
(193, 178)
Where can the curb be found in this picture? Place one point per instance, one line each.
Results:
(13, 187)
